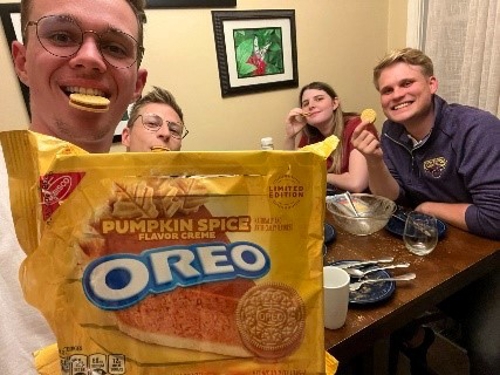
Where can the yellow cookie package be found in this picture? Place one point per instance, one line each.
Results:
(179, 263)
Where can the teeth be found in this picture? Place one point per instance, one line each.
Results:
(402, 105)
(83, 90)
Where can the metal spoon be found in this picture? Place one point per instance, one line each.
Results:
(357, 273)
(407, 276)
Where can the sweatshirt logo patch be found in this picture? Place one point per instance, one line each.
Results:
(435, 166)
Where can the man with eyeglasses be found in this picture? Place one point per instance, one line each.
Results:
(69, 50)
(91, 47)
(156, 122)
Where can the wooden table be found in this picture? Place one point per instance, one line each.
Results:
(459, 259)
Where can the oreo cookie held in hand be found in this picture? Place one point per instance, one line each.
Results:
(91, 103)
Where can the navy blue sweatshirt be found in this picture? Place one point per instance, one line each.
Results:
(458, 163)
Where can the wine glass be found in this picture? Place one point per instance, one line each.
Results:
(421, 233)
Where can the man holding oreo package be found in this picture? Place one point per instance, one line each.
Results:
(82, 72)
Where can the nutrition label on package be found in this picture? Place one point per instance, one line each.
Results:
(78, 364)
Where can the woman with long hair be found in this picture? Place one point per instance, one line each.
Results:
(319, 116)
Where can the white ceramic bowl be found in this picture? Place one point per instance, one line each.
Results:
(374, 212)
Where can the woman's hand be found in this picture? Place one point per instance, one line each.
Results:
(295, 122)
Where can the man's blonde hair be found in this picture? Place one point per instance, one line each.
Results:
(410, 56)
(156, 95)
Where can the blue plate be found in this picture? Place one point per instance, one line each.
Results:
(370, 293)
(396, 225)
(330, 233)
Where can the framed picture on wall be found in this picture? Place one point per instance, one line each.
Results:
(256, 50)
(11, 22)
(190, 3)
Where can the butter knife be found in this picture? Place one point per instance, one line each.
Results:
(365, 263)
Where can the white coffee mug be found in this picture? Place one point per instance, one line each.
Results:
(336, 296)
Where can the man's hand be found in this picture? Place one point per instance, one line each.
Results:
(380, 180)
(366, 142)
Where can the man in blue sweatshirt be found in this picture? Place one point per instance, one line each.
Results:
(441, 159)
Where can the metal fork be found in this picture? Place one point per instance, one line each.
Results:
(407, 276)
(357, 273)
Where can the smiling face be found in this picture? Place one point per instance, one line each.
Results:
(138, 138)
(406, 95)
(51, 78)
(320, 107)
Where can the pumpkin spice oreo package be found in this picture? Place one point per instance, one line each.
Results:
(176, 263)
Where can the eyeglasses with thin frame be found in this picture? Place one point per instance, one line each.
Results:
(153, 122)
(62, 36)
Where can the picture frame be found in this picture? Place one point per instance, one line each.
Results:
(152, 4)
(10, 15)
(117, 137)
(256, 50)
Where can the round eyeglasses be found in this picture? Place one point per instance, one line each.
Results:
(61, 36)
(153, 122)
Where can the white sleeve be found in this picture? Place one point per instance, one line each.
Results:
(22, 327)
